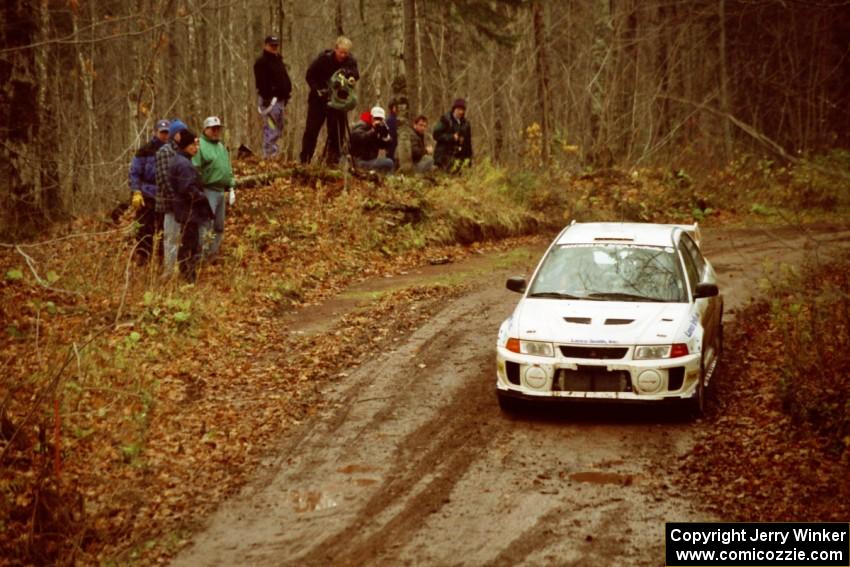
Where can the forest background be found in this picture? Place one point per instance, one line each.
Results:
(549, 84)
(121, 425)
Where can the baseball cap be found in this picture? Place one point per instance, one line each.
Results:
(211, 121)
(378, 112)
(162, 125)
(273, 40)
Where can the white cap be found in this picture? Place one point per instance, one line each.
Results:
(378, 112)
(211, 121)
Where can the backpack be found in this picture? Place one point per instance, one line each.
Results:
(342, 96)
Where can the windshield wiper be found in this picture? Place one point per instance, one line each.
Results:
(554, 295)
(623, 296)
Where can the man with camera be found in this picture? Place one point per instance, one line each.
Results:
(368, 136)
(318, 78)
(454, 139)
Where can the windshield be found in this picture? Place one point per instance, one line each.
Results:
(611, 272)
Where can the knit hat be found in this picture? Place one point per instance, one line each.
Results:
(378, 112)
(187, 138)
(176, 126)
(459, 103)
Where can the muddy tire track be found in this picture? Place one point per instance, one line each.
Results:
(410, 460)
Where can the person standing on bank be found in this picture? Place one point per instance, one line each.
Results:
(318, 75)
(165, 198)
(453, 135)
(143, 189)
(273, 91)
(191, 207)
(213, 164)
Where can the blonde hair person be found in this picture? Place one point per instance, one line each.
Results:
(343, 42)
(319, 74)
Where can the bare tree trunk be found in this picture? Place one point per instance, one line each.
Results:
(196, 55)
(86, 69)
(411, 58)
(498, 109)
(724, 80)
(338, 15)
(542, 70)
(599, 86)
(418, 30)
(398, 50)
(18, 111)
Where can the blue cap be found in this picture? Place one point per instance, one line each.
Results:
(176, 126)
(162, 125)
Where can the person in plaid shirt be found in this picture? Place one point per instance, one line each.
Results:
(165, 198)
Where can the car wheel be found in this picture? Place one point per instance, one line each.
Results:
(508, 404)
(696, 405)
(720, 341)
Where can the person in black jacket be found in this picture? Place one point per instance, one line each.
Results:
(318, 75)
(273, 91)
(191, 207)
(453, 135)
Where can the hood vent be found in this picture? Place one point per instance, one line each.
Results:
(619, 321)
(578, 320)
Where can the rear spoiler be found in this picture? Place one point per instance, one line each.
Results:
(693, 230)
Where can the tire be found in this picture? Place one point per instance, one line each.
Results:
(720, 341)
(508, 404)
(696, 405)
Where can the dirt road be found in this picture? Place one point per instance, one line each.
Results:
(412, 462)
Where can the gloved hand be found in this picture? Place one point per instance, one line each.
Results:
(265, 111)
(137, 201)
(231, 199)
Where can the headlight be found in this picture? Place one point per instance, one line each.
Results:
(534, 348)
(652, 351)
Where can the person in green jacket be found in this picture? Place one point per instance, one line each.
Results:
(213, 163)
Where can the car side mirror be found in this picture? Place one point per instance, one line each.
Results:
(705, 290)
(516, 283)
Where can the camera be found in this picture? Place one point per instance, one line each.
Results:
(382, 130)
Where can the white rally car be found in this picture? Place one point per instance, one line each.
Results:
(624, 312)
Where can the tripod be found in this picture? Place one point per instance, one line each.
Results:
(342, 130)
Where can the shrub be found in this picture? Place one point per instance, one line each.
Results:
(810, 313)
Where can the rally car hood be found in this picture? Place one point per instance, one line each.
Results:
(600, 322)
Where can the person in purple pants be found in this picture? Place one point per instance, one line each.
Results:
(273, 91)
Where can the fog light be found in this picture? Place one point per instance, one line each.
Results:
(649, 381)
(535, 377)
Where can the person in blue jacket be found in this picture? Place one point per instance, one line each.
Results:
(143, 191)
(191, 207)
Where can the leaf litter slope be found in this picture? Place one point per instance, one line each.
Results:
(412, 462)
(183, 389)
(131, 407)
